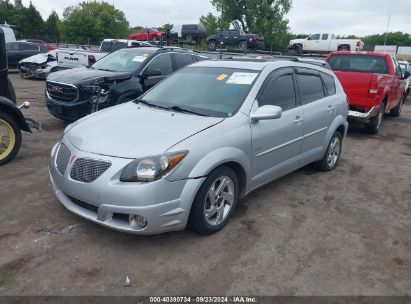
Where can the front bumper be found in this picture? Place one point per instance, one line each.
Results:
(108, 202)
(68, 111)
(33, 72)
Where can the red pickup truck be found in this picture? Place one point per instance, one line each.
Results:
(373, 84)
(148, 34)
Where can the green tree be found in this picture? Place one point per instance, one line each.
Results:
(51, 27)
(92, 21)
(33, 24)
(393, 38)
(264, 17)
(214, 24)
(166, 27)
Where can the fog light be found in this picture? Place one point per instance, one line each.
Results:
(138, 220)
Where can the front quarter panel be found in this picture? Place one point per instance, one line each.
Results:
(229, 141)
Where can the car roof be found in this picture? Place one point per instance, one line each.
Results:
(237, 64)
(377, 54)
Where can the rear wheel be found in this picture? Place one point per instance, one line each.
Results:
(242, 45)
(332, 156)
(154, 38)
(215, 202)
(374, 125)
(396, 112)
(10, 138)
(212, 45)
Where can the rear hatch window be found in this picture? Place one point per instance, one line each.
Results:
(359, 63)
(112, 46)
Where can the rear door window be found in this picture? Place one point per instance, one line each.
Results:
(279, 92)
(163, 63)
(12, 47)
(325, 37)
(310, 87)
(183, 59)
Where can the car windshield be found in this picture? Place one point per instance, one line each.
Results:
(359, 63)
(217, 92)
(125, 60)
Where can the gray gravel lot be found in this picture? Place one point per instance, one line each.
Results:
(347, 232)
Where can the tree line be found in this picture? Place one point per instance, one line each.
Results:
(91, 21)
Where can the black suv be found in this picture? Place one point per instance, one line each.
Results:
(17, 51)
(237, 38)
(117, 78)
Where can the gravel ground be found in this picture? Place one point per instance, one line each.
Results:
(347, 232)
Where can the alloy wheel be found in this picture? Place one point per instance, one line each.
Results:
(334, 152)
(219, 200)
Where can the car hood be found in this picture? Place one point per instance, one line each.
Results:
(39, 59)
(83, 75)
(132, 131)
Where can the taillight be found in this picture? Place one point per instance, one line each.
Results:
(374, 86)
(358, 44)
(91, 60)
(254, 38)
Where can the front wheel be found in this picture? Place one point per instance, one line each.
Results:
(332, 156)
(10, 138)
(215, 202)
(396, 112)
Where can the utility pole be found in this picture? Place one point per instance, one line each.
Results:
(388, 25)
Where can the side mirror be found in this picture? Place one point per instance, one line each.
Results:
(405, 75)
(266, 113)
(152, 72)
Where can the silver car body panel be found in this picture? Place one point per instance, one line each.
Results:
(264, 150)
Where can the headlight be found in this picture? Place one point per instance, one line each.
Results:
(151, 168)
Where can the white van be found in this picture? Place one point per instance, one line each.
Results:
(8, 33)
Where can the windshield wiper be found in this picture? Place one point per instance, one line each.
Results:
(150, 104)
(182, 110)
(106, 70)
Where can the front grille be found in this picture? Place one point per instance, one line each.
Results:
(62, 92)
(63, 157)
(88, 170)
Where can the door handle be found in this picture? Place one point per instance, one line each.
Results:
(331, 108)
(298, 120)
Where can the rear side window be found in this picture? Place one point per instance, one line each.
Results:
(329, 82)
(359, 63)
(183, 59)
(29, 47)
(310, 88)
(325, 37)
(279, 92)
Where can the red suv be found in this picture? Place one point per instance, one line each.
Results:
(373, 84)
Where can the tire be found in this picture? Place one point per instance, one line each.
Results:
(154, 38)
(296, 50)
(396, 112)
(10, 150)
(220, 216)
(189, 38)
(11, 93)
(242, 45)
(333, 154)
(374, 125)
(212, 45)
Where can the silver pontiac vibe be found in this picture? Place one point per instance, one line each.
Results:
(185, 152)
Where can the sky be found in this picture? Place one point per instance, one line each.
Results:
(359, 17)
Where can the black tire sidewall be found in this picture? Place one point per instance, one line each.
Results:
(197, 221)
(11, 93)
(210, 43)
(17, 133)
(324, 162)
(372, 126)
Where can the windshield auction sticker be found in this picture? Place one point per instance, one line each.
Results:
(242, 78)
(222, 77)
(139, 58)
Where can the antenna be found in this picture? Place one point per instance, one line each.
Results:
(388, 25)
